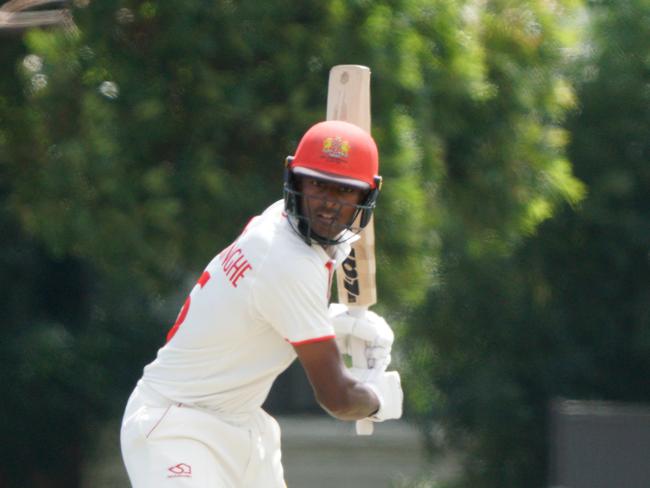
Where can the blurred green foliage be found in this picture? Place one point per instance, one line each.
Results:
(135, 147)
(601, 252)
(565, 313)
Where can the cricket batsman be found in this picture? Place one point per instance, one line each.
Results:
(194, 419)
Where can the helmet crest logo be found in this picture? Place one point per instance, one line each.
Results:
(335, 147)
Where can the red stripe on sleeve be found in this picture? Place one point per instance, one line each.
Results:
(311, 341)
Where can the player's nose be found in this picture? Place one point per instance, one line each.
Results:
(332, 193)
(331, 199)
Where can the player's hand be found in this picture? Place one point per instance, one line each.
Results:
(388, 388)
(367, 339)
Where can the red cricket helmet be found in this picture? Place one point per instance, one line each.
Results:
(338, 151)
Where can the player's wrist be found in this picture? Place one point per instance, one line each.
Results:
(386, 387)
(374, 414)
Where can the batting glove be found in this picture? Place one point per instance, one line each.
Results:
(388, 388)
(367, 339)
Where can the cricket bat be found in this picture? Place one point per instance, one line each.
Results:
(348, 99)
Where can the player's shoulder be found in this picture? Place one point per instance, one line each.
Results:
(262, 227)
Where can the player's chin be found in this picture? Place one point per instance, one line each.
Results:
(324, 232)
(327, 230)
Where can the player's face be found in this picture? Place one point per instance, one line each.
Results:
(329, 206)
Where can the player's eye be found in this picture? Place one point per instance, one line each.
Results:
(316, 183)
(346, 189)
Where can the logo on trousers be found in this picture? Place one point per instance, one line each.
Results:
(181, 470)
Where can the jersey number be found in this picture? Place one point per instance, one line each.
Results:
(186, 307)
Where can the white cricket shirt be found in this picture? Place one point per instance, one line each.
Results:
(264, 293)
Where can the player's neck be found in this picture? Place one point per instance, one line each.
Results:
(330, 249)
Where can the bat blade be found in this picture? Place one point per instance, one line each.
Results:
(348, 99)
(348, 95)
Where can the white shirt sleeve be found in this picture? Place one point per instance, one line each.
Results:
(294, 300)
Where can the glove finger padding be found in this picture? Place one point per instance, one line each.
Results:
(367, 339)
(388, 388)
(369, 327)
(357, 350)
(364, 355)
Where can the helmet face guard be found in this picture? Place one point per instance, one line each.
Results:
(300, 219)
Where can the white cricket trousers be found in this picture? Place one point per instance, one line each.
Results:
(173, 445)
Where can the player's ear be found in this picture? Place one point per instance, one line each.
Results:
(370, 202)
(290, 199)
(287, 171)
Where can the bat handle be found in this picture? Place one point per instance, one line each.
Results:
(363, 426)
